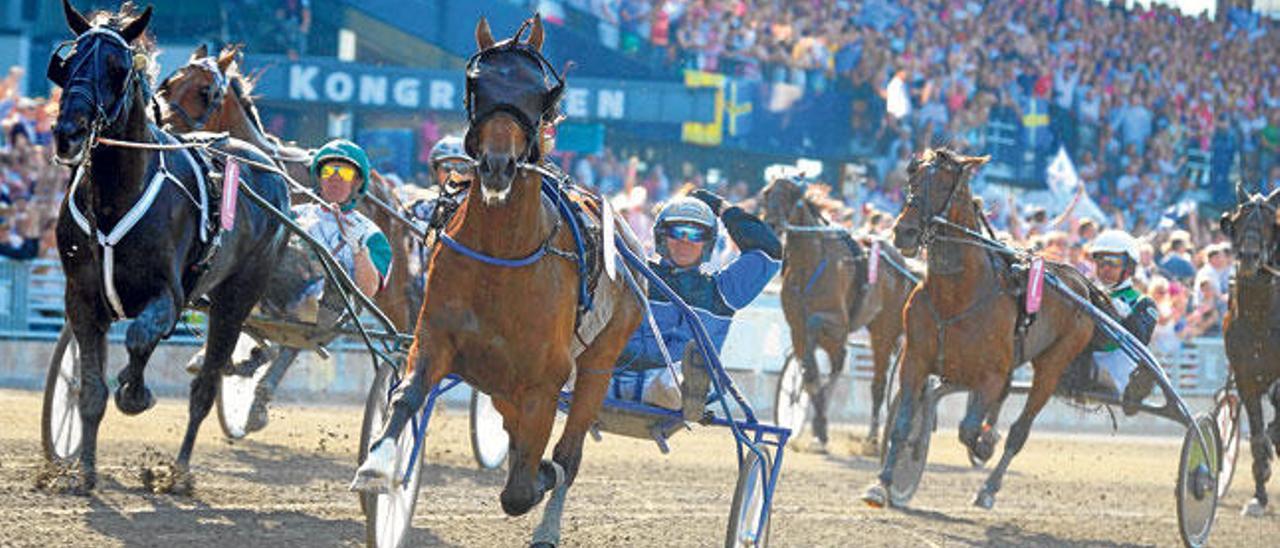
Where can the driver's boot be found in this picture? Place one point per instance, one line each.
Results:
(1140, 383)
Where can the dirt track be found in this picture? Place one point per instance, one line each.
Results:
(288, 487)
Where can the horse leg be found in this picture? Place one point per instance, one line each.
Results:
(813, 377)
(428, 363)
(1273, 430)
(836, 354)
(881, 354)
(266, 389)
(530, 477)
(594, 371)
(1251, 395)
(231, 303)
(1048, 369)
(92, 339)
(911, 377)
(154, 323)
(983, 399)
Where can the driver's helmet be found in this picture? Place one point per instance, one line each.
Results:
(1117, 242)
(449, 152)
(342, 149)
(681, 212)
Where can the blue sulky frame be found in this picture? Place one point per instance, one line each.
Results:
(749, 433)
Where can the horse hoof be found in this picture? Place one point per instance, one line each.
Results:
(68, 479)
(374, 475)
(168, 478)
(542, 545)
(871, 447)
(818, 447)
(258, 411)
(195, 363)
(876, 496)
(985, 500)
(1253, 509)
(134, 401)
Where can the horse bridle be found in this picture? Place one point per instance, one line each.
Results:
(1258, 206)
(216, 93)
(931, 220)
(530, 113)
(66, 74)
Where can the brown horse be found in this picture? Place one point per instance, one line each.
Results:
(512, 330)
(1249, 326)
(827, 294)
(960, 321)
(210, 94)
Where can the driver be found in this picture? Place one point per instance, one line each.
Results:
(684, 234)
(452, 172)
(1115, 255)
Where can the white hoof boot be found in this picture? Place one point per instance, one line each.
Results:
(1252, 509)
(876, 496)
(196, 362)
(379, 467)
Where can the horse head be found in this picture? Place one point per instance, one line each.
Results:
(938, 186)
(511, 90)
(193, 95)
(778, 199)
(1251, 226)
(103, 73)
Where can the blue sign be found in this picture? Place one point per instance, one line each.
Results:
(389, 150)
(324, 81)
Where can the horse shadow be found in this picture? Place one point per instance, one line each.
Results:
(167, 523)
(284, 466)
(1011, 535)
(872, 464)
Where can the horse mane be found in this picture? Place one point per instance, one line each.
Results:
(242, 87)
(819, 196)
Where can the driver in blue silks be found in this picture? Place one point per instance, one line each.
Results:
(684, 234)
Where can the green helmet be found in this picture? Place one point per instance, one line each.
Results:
(342, 149)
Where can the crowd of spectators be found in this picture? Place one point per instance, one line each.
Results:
(1152, 103)
(31, 186)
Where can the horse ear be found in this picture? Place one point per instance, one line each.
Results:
(201, 52)
(536, 36)
(1241, 195)
(227, 57)
(974, 162)
(484, 37)
(79, 25)
(1224, 224)
(135, 27)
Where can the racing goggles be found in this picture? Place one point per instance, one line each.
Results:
(461, 167)
(689, 233)
(345, 172)
(1102, 260)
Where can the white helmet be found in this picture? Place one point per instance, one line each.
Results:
(1117, 242)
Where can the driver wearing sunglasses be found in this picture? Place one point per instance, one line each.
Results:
(1115, 256)
(685, 234)
(341, 173)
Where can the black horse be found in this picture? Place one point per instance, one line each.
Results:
(133, 236)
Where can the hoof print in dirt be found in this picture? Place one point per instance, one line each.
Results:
(62, 479)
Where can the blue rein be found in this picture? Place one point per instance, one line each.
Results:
(550, 190)
(813, 278)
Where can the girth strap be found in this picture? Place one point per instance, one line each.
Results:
(943, 324)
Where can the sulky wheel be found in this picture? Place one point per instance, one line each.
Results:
(909, 468)
(1226, 413)
(388, 516)
(791, 400)
(239, 394)
(489, 440)
(60, 431)
(745, 526)
(1197, 489)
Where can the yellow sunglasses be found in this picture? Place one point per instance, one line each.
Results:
(345, 172)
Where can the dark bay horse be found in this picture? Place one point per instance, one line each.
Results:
(501, 303)
(132, 236)
(209, 93)
(960, 321)
(827, 294)
(1249, 328)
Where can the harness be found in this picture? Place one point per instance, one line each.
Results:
(108, 241)
(217, 93)
(566, 215)
(857, 254)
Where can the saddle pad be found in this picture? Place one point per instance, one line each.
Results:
(873, 266)
(231, 187)
(1035, 285)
